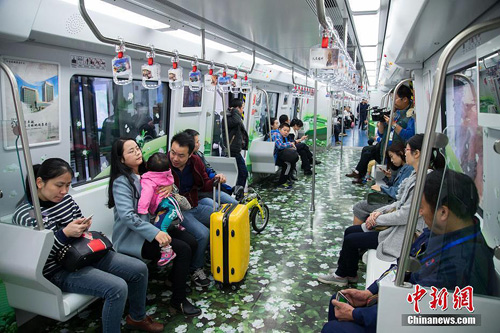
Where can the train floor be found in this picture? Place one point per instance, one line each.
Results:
(280, 292)
(355, 138)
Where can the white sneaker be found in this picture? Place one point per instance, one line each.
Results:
(332, 278)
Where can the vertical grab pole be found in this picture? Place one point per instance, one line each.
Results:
(213, 122)
(342, 124)
(430, 135)
(313, 208)
(25, 142)
(391, 117)
(226, 130)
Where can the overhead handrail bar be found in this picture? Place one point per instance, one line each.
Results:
(391, 116)
(25, 142)
(430, 135)
(320, 9)
(268, 111)
(140, 47)
(298, 84)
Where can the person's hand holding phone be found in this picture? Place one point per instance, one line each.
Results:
(343, 311)
(357, 297)
(342, 298)
(87, 221)
(77, 227)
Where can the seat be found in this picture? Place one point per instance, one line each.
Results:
(262, 157)
(24, 253)
(226, 166)
(374, 266)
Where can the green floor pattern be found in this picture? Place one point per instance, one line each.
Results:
(280, 292)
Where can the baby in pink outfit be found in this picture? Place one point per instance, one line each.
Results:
(165, 209)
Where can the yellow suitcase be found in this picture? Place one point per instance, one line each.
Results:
(230, 243)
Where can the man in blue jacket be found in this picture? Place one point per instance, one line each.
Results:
(401, 129)
(452, 253)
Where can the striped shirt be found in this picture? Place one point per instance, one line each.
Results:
(55, 218)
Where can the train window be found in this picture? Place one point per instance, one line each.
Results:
(261, 108)
(462, 129)
(102, 111)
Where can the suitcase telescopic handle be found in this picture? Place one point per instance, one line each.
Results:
(216, 185)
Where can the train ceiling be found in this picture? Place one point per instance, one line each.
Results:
(280, 30)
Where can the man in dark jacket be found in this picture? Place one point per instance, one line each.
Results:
(362, 113)
(238, 138)
(190, 177)
(452, 254)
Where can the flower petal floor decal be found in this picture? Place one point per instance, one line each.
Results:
(280, 292)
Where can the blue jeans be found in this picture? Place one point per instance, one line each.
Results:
(197, 223)
(112, 278)
(354, 240)
(224, 199)
(242, 170)
(335, 326)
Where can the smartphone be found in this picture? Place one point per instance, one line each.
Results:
(87, 219)
(342, 299)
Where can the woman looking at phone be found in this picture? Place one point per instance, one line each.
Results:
(115, 277)
(400, 171)
(384, 228)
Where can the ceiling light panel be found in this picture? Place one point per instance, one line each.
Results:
(121, 14)
(364, 5)
(369, 53)
(249, 57)
(218, 46)
(366, 28)
(370, 65)
(182, 34)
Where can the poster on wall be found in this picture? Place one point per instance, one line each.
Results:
(38, 85)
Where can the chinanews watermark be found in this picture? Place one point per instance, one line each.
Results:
(461, 299)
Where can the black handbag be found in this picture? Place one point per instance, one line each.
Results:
(374, 198)
(87, 249)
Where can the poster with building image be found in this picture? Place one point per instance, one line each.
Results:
(38, 86)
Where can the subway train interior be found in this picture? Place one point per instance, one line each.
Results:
(332, 228)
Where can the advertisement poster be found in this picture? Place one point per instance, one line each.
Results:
(324, 58)
(38, 85)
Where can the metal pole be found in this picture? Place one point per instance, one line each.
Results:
(25, 142)
(342, 123)
(203, 44)
(320, 9)
(268, 111)
(140, 47)
(213, 121)
(313, 208)
(228, 145)
(391, 116)
(430, 134)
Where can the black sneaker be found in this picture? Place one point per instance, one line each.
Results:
(239, 192)
(199, 278)
(186, 308)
